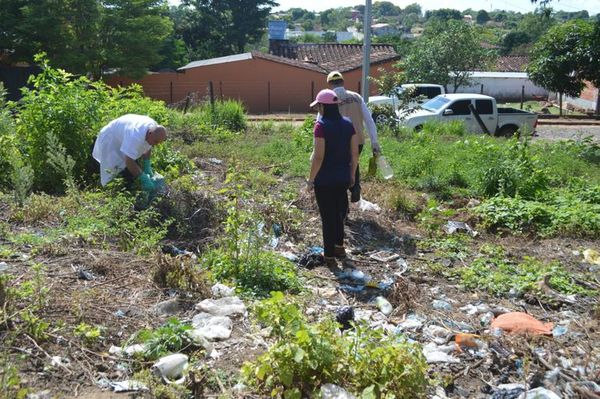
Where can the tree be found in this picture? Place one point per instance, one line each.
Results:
(385, 9)
(482, 17)
(329, 37)
(557, 59)
(413, 8)
(512, 40)
(443, 14)
(591, 59)
(132, 34)
(536, 24)
(446, 54)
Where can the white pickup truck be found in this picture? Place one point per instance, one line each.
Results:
(422, 93)
(479, 113)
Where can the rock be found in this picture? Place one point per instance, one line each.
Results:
(213, 328)
(332, 391)
(222, 291)
(222, 307)
(168, 307)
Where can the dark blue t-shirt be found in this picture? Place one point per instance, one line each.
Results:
(335, 169)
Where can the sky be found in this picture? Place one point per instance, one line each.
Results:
(593, 6)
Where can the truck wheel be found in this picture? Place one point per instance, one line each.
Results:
(418, 128)
(507, 131)
(380, 119)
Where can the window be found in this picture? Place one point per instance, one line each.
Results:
(432, 92)
(461, 107)
(484, 107)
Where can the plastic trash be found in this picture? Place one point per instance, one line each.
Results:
(521, 323)
(437, 334)
(452, 227)
(127, 386)
(85, 275)
(439, 353)
(352, 289)
(311, 260)
(276, 229)
(486, 319)
(402, 266)
(441, 305)
(223, 306)
(366, 206)
(464, 340)
(413, 322)
(384, 256)
(168, 307)
(3, 267)
(539, 393)
(332, 391)
(344, 316)
(289, 256)
(213, 328)
(384, 167)
(222, 291)
(591, 256)
(372, 170)
(559, 331)
(384, 306)
(508, 391)
(174, 251)
(170, 367)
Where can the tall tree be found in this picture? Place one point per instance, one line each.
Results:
(482, 17)
(557, 59)
(133, 32)
(446, 54)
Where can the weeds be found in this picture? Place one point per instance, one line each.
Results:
(306, 355)
(171, 337)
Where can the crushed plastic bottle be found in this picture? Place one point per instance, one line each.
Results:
(384, 167)
(384, 306)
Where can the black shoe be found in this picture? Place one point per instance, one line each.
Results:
(354, 196)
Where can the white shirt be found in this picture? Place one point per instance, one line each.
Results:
(124, 136)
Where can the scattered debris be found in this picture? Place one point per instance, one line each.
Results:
(366, 206)
(452, 227)
(521, 323)
(331, 391)
(539, 393)
(228, 306)
(437, 334)
(168, 307)
(384, 306)
(591, 256)
(85, 275)
(384, 256)
(344, 315)
(222, 291)
(212, 328)
(312, 258)
(439, 353)
(127, 386)
(174, 251)
(441, 305)
(170, 367)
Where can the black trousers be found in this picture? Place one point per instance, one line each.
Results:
(333, 207)
(355, 190)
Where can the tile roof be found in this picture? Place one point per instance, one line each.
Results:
(289, 61)
(331, 56)
(511, 64)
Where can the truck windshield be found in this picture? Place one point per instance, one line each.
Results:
(435, 103)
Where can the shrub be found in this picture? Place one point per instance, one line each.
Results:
(8, 149)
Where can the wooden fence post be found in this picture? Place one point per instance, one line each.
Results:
(171, 92)
(269, 97)
(522, 95)
(211, 93)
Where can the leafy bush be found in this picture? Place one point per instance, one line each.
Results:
(171, 337)
(305, 356)
(8, 148)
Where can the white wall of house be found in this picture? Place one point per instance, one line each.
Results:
(504, 86)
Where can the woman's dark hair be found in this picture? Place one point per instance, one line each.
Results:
(331, 111)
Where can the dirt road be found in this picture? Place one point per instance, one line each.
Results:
(560, 132)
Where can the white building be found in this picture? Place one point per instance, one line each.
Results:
(504, 86)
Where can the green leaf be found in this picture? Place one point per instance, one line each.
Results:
(293, 393)
(299, 355)
(368, 392)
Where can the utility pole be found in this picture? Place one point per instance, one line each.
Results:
(366, 51)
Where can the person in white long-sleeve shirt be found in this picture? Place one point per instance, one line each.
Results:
(124, 141)
(353, 107)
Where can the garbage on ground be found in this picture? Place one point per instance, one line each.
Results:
(85, 275)
(508, 391)
(465, 340)
(213, 328)
(45, 394)
(413, 322)
(559, 331)
(440, 393)
(312, 258)
(170, 367)
(539, 393)
(223, 306)
(472, 310)
(439, 353)
(168, 307)
(366, 206)
(127, 386)
(3, 266)
(591, 256)
(222, 291)
(384, 306)
(128, 350)
(576, 387)
(441, 305)
(520, 323)
(384, 167)
(402, 266)
(119, 313)
(357, 276)
(289, 256)
(486, 319)
(174, 251)
(437, 334)
(332, 391)
(344, 316)
(215, 161)
(384, 256)
(452, 227)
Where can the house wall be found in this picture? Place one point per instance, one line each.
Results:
(587, 100)
(263, 86)
(504, 89)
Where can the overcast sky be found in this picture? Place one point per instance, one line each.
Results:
(593, 6)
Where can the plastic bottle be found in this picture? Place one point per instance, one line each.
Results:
(384, 167)
(384, 306)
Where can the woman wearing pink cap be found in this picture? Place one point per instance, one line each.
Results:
(334, 162)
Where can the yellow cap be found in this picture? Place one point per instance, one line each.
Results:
(335, 75)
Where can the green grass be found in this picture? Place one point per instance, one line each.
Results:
(536, 106)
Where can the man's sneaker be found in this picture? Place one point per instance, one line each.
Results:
(330, 261)
(354, 195)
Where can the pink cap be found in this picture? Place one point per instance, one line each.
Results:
(325, 96)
